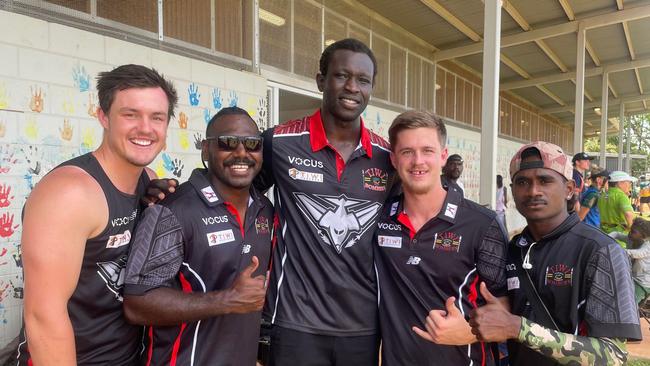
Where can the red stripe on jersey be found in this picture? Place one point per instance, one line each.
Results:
(295, 126)
(404, 220)
(150, 350)
(187, 288)
(472, 296)
(30, 362)
(378, 140)
(231, 208)
(274, 239)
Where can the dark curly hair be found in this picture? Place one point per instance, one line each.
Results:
(642, 226)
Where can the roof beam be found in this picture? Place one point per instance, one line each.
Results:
(596, 21)
(567, 9)
(619, 4)
(594, 71)
(629, 98)
(452, 19)
(628, 39)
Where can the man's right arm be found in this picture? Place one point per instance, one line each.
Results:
(149, 296)
(62, 212)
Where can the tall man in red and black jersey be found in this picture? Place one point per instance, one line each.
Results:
(569, 284)
(196, 271)
(331, 177)
(77, 227)
(433, 247)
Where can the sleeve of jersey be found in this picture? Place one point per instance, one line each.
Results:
(642, 252)
(265, 179)
(491, 259)
(570, 349)
(156, 253)
(610, 309)
(589, 200)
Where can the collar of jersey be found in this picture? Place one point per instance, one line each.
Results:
(565, 226)
(454, 197)
(318, 138)
(199, 180)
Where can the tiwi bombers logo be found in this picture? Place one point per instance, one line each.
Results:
(339, 220)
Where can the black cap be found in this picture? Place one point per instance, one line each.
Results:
(453, 157)
(582, 156)
(597, 172)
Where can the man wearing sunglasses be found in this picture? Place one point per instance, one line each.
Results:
(331, 177)
(196, 271)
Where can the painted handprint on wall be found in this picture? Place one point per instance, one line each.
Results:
(92, 106)
(261, 112)
(87, 139)
(31, 128)
(183, 140)
(66, 130)
(193, 93)
(174, 166)
(216, 99)
(4, 100)
(5, 195)
(7, 159)
(198, 139)
(7, 227)
(36, 100)
(81, 78)
(207, 115)
(182, 120)
(33, 158)
(233, 99)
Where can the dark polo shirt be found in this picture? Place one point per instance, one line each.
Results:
(449, 256)
(323, 279)
(195, 241)
(582, 276)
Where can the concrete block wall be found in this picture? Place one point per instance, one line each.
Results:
(47, 115)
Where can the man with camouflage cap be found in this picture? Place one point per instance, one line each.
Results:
(569, 284)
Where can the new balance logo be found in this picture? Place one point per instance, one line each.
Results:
(413, 260)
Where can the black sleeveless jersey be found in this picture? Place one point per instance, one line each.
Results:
(102, 335)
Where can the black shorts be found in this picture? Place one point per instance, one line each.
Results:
(293, 348)
(645, 199)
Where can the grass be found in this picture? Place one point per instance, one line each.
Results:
(638, 362)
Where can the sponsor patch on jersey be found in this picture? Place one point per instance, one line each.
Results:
(374, 179)
(220, 237)
(513, 283)
(389, 226)
(340, 221)
(450, 210)
(118, 240)
(447, 241)
(296, 174)
(413, 260)
(389, 241)
(209, 194)
(522, 242)
(558, 275)
(393, 208)
(262, 225)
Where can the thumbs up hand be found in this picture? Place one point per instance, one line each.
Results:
(493, 322)
(247, 292)
(447, 327)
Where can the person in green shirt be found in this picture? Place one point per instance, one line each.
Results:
(616, 212)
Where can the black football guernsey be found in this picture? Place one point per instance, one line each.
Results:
(102, 335)
(195, 241)
(582, 276)
(449, 256)
(323, 279)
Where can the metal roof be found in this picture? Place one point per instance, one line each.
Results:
(616, 37)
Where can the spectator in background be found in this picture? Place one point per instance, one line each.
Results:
(589, 212)
(644, 194)
(616, 213)
(638, 243)
(581, 163)
(451, 172)
(501, 202)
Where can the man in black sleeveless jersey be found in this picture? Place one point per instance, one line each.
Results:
(196, 271)
(78, 223)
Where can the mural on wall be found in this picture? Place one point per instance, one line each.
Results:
(47, 118)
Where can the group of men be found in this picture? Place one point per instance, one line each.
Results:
(605, 202)
(347, 257)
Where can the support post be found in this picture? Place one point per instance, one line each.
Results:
(621, 134)
(603, 121)
(490, 101)
(627, 147)
(580, 90)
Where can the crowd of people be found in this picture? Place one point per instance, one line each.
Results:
(364, 245)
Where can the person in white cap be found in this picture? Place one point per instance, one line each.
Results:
(616, 213)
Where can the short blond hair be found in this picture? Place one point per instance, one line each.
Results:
(417, 119)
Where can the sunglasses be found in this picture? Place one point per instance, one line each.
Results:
(230, 143)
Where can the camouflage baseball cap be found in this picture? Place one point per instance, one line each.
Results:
(552, 158)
